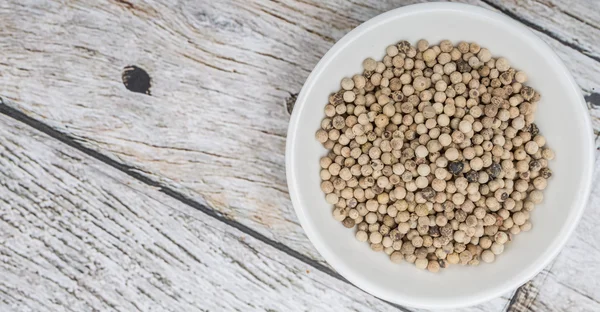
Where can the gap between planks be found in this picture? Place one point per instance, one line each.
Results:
(77, 235)
(515, 303)
(541, 29)
(135, 173)
(138, 174)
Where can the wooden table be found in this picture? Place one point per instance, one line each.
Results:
(176, 200)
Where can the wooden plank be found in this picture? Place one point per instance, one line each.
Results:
(573, 23)
(82, 236)
(76, 235)
(498, 304)
(219, 71)
(572, 281)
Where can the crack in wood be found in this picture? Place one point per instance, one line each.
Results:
(125, 3)
(290, 102)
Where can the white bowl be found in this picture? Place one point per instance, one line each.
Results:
(562, 118)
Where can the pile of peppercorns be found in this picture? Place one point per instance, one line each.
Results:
(434, 155)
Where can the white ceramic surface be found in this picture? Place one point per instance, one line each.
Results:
(562, 118)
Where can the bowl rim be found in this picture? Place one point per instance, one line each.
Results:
(511, 283)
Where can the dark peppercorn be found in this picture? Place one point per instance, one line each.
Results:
(434, 231)
(463, 66)
(494, 170)
(403, 46)
(533, 129)
(428, 192)
(336, 98)
(545, 173)
(368, 73)
(535, 165)
(443, 263)
(472, 176)
(456, 167)
(348, 222)
(386, 135)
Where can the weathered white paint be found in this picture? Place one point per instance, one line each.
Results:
(78, 236)
(572, 282)
(214, 127)
(219, 71)
(572, 22)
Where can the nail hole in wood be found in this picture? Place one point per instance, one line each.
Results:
(136, 79)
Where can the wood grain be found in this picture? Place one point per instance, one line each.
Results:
(214, 128)
(572, 30)
(217, 72)
(573, 23)
(571, 282)
(78, 236)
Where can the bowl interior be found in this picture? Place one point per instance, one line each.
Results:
(561, 117)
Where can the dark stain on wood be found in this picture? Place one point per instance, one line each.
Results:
(593, 99)
(86, 50)
(125, 3)
(290, 101)
(524, 297)
(136, 79)
(141, 8)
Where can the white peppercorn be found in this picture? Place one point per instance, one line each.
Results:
(434, 184)
(488, 256)
(502, 64)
